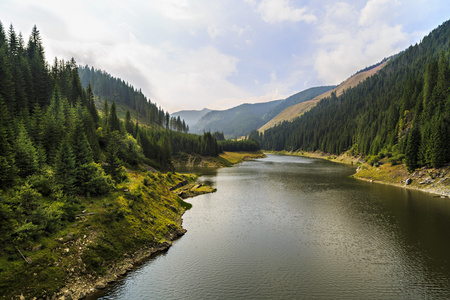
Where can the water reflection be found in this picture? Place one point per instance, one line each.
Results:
(297, 228)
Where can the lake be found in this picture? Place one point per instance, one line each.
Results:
(289, 227)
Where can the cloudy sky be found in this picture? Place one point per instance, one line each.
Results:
(191, 54)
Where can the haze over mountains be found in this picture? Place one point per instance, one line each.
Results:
(242, 119)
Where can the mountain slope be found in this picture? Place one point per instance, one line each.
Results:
(297, 110)
(236, 121)
(242, 119)
(297, 98)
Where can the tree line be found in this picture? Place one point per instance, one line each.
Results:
(403, 111)
(105, 86)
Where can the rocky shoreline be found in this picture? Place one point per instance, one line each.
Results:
(81, 287)
(73, 255)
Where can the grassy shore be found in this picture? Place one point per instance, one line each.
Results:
(108, 236)
(436, 181)
(225, 159)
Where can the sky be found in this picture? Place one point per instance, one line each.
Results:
(192, 54)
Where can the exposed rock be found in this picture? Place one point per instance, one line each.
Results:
(408, 181)
(122, 272)
(177, 186)
(427, 181)
(100, 285)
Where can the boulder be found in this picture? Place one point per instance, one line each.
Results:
(100, 285)
(408, 181)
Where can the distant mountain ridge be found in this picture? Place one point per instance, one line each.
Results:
(241, 120)
(236, 121)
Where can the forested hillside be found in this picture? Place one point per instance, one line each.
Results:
(54, 143)
(59, 154)
(106, 87)
(403, 111)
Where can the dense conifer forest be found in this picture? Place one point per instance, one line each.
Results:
(402, 112)
(106, 87)
(55, 144)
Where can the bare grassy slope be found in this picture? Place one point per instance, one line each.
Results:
(297, 110)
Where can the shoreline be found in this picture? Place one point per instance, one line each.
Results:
(86, 288)
(430, 180)
(110, 237)
(225, 159)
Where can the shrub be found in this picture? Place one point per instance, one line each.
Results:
(43, 183)
(96, 182)
(26, 232)
(27, 196)
(395, 160)
(372, 160)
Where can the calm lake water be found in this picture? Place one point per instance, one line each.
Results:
(296, 228)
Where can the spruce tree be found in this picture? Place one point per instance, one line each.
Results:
(81, 149)
(25, 153)
(439, 142)
(113, 164)
(6, 81)
(114, 122)
(128, 123)
(65, 167)
(412, 149)
(7, 163)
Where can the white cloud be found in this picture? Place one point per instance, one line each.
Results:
(174, 9)
(275, 11)
(345, 46)
(376, 10)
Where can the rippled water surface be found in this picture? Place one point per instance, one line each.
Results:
(296, 228)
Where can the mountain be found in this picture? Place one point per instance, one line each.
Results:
(191, 117)
(401, 112)
(242, 119)
(236, 121)
(294, 111)
(297, 98)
